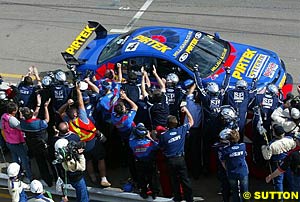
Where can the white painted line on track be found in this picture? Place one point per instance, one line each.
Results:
(135, 18)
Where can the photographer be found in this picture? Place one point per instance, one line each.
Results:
(71, 156)
(288, 115)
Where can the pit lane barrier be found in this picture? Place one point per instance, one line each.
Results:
(97, 194)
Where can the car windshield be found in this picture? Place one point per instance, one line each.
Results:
(114, 47)
(209, 54)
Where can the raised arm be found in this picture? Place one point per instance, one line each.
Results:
(36, 75)
(147, 80)
(47, 117)
(120, 76)
(159, 80)
(225, 84)
(131, 103)
(143, 85)
(192, 89)
(64, 107)
(38, 105)
(92, 85)
(198, 80)
(189, 116)
(79, 97)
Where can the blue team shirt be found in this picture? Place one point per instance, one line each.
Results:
(124, 123)
(60, 95)
(106, 103)
(26, 93)
(143, 149)
(234, 156)
(33, 125)
(195, 109)
(172, 141)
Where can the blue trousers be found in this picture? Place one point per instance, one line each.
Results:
(20, 152)
(81, 191)
(238, 187)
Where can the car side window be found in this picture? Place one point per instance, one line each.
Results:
(164, 67)
(135, 64)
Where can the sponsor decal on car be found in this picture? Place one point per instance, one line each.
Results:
(183, 57)
(219, 62)
(281, 83)
(243, 63)
(132, 46)
(271, 69)
(190, 47)
(183, 45)
(81, 39)
(257, 66)
(153, 43)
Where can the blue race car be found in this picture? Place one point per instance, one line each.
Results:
(176, 50)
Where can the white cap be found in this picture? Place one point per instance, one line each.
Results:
(295, 113)
(2, 95)
(13, 170)
(60, 144)
(36, 187)
(83, 85)
(60, 76)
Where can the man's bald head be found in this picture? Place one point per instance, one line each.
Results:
(63, 127)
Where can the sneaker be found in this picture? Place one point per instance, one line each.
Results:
(105, 184)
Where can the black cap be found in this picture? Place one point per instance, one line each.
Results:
(278, 130)
(288, 97)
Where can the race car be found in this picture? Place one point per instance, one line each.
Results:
(177, 50)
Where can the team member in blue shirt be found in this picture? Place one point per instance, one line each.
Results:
(172, 143)
(212, 97)
(233, 158)
(123, 121)
(240, 98)
(194, 141)
(144, 149)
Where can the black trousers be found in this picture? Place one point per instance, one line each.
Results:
(179, 175)
(147, 175)
(193, 147)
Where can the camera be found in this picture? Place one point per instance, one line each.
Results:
(69, 152)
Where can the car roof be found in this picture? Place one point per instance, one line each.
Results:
(165, 41)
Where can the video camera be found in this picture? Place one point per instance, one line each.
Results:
(69, 152)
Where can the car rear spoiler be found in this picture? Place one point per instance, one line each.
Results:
(84, 35)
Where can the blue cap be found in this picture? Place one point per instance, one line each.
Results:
(105, 85)
(85, 96)
(140, 130)
(188, 82)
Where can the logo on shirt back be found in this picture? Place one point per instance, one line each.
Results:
(174, 139)
(173, 133)
(238, 96)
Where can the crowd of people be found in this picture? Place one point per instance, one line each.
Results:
(147, 123)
